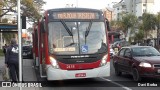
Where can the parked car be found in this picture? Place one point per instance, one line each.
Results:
(27, 51)
(139, 61)
(119, 44)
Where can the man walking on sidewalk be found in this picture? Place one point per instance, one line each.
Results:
(11, 60)
(5, 50)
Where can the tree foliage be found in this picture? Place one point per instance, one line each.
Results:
(149, 21)
(7, 36)
(158, 20)
(139, 36)
(129, 21)
(29, 8)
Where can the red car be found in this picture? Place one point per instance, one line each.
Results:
(139, 61)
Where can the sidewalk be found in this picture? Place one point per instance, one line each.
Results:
(28, 73)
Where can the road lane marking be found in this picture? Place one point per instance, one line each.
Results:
(124, 87)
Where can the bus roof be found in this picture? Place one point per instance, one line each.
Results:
(75, 9)
(74, 14)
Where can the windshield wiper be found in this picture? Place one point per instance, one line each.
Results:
(69, 32)
(70, 44)
(66, 27)
(139, 55)
(87, 30)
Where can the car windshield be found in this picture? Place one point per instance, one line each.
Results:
(145, 51)
(77, 37)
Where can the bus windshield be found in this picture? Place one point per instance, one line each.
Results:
(77, 37)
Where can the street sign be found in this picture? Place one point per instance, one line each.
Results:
(6, 26)
(84, 49)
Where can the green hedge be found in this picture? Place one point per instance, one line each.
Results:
(1, 52)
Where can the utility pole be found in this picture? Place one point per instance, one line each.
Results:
(19, 42)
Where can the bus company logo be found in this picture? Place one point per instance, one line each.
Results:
(9, 84)
(6, 84)
(82, 56)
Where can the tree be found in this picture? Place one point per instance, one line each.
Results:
(7, 36)
(158, 26)
(128, 22)
(116, 25)
(139, 36)
(30, 8)
(149, 22)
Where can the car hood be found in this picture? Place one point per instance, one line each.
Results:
(150, 59)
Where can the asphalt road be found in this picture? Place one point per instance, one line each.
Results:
(124, 82)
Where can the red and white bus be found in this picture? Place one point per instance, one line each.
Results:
(72, 43)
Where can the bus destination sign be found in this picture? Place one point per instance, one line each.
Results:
(75, 15)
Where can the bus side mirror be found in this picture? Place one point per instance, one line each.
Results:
(107, 23)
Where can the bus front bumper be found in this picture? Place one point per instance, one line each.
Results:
(58, 74)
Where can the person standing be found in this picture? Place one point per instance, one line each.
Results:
(5, 50)
(11, 60)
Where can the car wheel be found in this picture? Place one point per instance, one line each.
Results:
(136, 76)
(117, 72)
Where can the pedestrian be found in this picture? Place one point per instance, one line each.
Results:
(11, 60)
(5, 50)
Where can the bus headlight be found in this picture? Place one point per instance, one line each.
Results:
(53, 62)
(104, 60)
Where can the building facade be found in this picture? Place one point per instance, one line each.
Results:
(119, 9)
(108, 13)
(136, 7)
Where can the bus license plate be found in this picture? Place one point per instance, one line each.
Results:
(80, 75)
(158, 71)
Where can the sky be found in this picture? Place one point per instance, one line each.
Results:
(96, 4)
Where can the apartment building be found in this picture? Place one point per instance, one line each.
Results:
(119, 9)
(137, 7)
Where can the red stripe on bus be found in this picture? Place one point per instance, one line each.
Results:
(79, 66)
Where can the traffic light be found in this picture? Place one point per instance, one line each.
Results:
(23, 22)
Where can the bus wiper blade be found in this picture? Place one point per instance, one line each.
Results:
(66, 27)
(88, 29)
(70, 44)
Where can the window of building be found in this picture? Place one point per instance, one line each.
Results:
(144, 4)
(144, 10)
